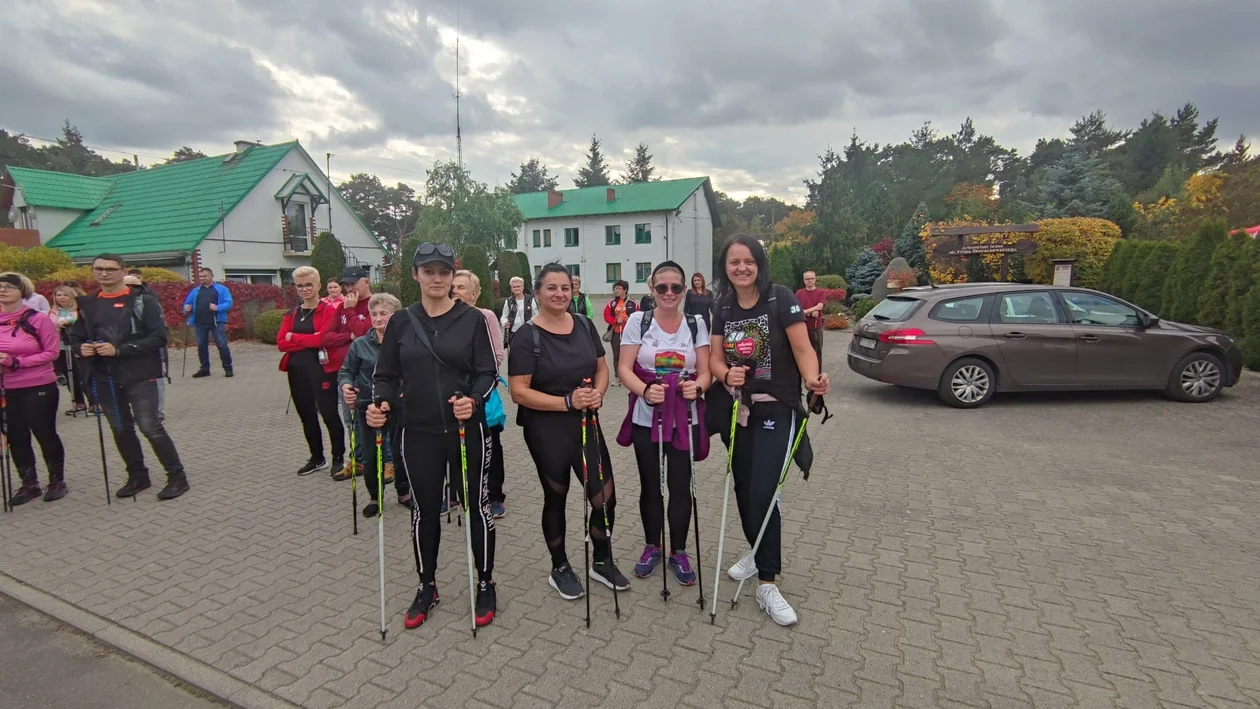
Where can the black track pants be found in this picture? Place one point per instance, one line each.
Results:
(760, 450)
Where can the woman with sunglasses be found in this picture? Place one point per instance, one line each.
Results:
(438, 355)
(314, 347)
(761, 352)
(666, 368)
(558, 377)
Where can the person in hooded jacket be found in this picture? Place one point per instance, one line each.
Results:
(438, 355)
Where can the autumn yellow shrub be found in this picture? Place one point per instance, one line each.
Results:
(1086, 239)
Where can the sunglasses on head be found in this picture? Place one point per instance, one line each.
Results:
(427, 249)
(663, 288)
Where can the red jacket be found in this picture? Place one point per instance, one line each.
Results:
(357, 322)
(328, 335)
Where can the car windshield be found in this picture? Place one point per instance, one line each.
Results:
(893, 308)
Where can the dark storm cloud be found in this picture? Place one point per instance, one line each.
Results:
(746, 88)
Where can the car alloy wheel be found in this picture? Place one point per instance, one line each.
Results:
(1200, 378)
(970, 384)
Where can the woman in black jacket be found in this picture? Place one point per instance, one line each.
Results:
(438, 355)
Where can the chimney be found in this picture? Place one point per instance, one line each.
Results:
(554, 198)
(243, 145)
(612, 195)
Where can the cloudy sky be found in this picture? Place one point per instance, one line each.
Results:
(746, 91)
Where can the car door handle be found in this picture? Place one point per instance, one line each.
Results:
(1090, 338)
(1015, 336)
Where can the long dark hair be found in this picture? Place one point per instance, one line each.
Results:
(691, 287)
(721, 284)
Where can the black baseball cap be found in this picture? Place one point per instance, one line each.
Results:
(352, 274)
(429, 252)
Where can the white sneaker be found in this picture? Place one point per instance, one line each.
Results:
(773, 603)
(743, 569)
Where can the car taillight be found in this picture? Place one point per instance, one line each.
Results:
(905, 336)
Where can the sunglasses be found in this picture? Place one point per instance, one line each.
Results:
(427, 249)
(663, 288)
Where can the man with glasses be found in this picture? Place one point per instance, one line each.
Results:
(120, 334)
(812, 302)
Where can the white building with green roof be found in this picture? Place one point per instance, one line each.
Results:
(251, 215)
(620, 232)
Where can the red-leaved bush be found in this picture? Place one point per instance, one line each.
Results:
(835, 295)
(248, 300)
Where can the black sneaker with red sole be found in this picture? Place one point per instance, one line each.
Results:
(487, 603)
(422, 607)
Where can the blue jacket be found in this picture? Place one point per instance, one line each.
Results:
(224, 302)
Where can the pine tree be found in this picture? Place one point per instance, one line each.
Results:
(595, 172)
(532, 177)
(639, 168)
(862, 274)
(1181, 292)
(781, 270)
(1213, 308)
(1079, 185)
(909, 245)
(328, 258)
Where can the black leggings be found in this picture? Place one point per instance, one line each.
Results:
(367, 444)
(71, 374)
(647, 455)
(426, 459)
(555, 443)
(496, 465)
(760, 449)
(33, 411)
(314, 393)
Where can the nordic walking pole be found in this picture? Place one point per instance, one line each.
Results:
(660, 458)
(603, 495)
(463, 469)
(380, 522)
(778, 493)
(695, 506)
(6, 481)
(586, 518)
(726, 497)
(354, 479)
(100, 434)
(185, 372)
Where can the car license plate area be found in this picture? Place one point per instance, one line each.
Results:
(866, 342)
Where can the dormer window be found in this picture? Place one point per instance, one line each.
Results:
(297, 214)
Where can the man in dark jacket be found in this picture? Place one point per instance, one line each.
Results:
(120, 334)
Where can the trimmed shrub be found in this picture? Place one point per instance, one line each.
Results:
(838, 321)
(475, 261)
(862, 307)
(1114, 265)
(1250, 343)
(1128, 282)
(831, 281)
(408, 289)
(328, 258)
(1244, 276)
(509, 266)
(1154, 270)
(1213, 308)
(1190, 272)
(780, 256)
(1088, 240)
(524, 270)
(267, 324)
(35, 263)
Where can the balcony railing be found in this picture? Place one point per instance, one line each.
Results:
(297, 245)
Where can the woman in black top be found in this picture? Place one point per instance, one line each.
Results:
(761, 349)
(437, 354)
(558, 372)
(699, 300)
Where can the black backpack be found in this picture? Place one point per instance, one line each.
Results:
(24, 324)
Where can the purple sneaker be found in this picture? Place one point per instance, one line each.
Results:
(648, 561)
(681, 566)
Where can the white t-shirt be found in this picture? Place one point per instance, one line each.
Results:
(663, 352)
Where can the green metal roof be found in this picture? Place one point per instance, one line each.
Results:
(169, 208)
(298, 180)
(59, 190)
(641, 197)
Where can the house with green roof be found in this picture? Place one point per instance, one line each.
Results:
(620, 232)
(250, 215)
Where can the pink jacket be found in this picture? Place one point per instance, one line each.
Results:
(34, 355)
(496, 335)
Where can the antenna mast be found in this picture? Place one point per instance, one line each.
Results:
(459, 138)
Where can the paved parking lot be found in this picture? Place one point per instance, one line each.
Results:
(1050, 551)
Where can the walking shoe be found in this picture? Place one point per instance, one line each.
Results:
(312, 465)
(745, 568)
(388, 473)
(371, 510)
(61, 380)
(339, 471)
(25, 494)
(175, 486)
(78, 409)
(566, 583)
(607, 573)
(497, 510)
(200, 374)
(131, 489)
(487, 604)
(405, 500)
(422, 607)
(228, 373)
(681, 566)
(648, 561)
(55, 491)
(773, 603)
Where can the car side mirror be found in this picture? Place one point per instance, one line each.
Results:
(1147, 321)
